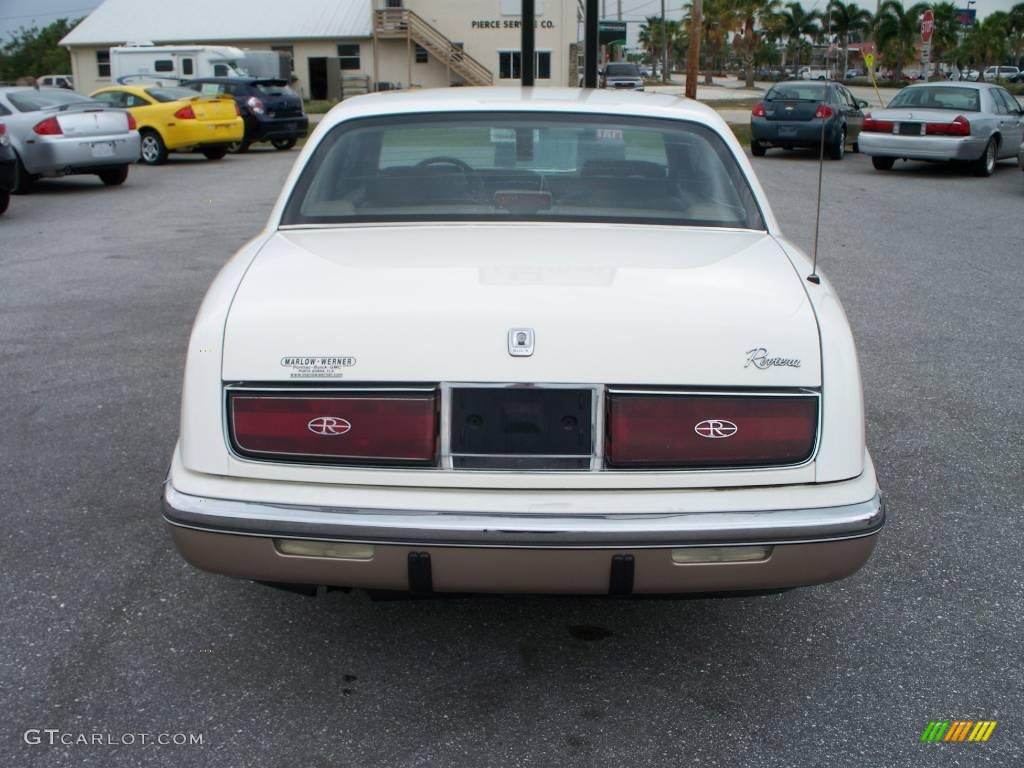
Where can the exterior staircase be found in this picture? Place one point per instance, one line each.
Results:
(401, 23)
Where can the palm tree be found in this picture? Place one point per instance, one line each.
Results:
(718, 20)
(987, 40)
(652, 40)
(897, 30)
(945, 33)
(847, 18)
(753, 15)
(1016, 17)
(793, 24)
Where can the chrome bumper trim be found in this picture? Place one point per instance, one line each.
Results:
(527, 530)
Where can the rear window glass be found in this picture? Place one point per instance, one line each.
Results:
(523, 167)
(796, 92)
(171, 93)
(275, 89)
(30, 101)
(622, 70)
(938, 97)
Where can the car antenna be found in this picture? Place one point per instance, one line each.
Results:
(814, 277)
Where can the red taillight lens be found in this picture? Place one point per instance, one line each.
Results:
(823, 111)
(3, 129)
(758, 110)
(185, 113)
(132, 125)
(876, 126)
(959, 127)
(48, 127)
(682, 431)
(353, 428)
(256, 105)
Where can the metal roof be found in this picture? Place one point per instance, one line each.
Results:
(116, 22)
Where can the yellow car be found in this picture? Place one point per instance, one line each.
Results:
(177, 118)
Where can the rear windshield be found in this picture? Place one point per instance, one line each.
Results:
(275, 89)
(796, 92)
(171, 93)
(938, 97)
(30, 101)
(523, 167)
(622, 70)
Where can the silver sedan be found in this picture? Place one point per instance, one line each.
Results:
(55, 132)
(974, 123)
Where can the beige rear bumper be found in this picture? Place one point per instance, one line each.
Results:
(522, 570)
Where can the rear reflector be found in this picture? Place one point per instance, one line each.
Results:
(357, 428)
(338, 550)
(678, 431)
(746, 554)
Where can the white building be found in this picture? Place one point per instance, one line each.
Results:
(422, 43)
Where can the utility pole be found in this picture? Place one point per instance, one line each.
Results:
(665, 74)
(590, 45)
(693, 51)
(527, 45)
(618, 13)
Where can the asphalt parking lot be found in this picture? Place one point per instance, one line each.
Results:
(106, 630)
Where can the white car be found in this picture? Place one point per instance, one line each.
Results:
(511, 341)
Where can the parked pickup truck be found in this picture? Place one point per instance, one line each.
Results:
(810, 73)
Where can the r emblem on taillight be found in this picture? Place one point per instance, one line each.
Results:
(715, 429)
(329, 425)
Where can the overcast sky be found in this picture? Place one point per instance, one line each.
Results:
(26, 13)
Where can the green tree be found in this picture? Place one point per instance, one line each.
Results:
(986, 42)
(945, 34)
(33, 52)
(1016, 19)
(794, 24)
(847, 19)
(753, 17)
(655, 36)
(897, 30)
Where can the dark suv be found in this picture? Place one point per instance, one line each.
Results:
(272, 111)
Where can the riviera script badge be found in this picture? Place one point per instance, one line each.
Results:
(759, 358)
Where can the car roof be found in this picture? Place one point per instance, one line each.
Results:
(966, 84)
(518, 99)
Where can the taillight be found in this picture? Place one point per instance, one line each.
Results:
(4, 141)
(758, 110)
(185, 113)
(357, 428)
(255, 105)
(132, 125)
(876, 126)
(960, 126)
(48, 127)
(652, 430)
(823, 111)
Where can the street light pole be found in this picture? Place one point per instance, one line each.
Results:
(666, 76)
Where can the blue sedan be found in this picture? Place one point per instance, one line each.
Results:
(794, 113)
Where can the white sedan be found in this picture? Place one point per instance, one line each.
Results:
(523, 341)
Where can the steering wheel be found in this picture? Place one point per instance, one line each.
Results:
(445, 160)
(474, 184)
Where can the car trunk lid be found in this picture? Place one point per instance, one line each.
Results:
(799, 110)
(608, 305)
(278, 99)
(214, 108)
(89, 120)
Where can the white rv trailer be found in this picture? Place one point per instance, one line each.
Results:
(167, 64)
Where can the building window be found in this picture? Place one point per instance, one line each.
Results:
(422, 57)
(103, 63)
(186, 66)
(510, 65)
(543, 65)
(163, 65)
(348, 54)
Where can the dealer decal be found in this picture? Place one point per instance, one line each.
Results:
(324, 367)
